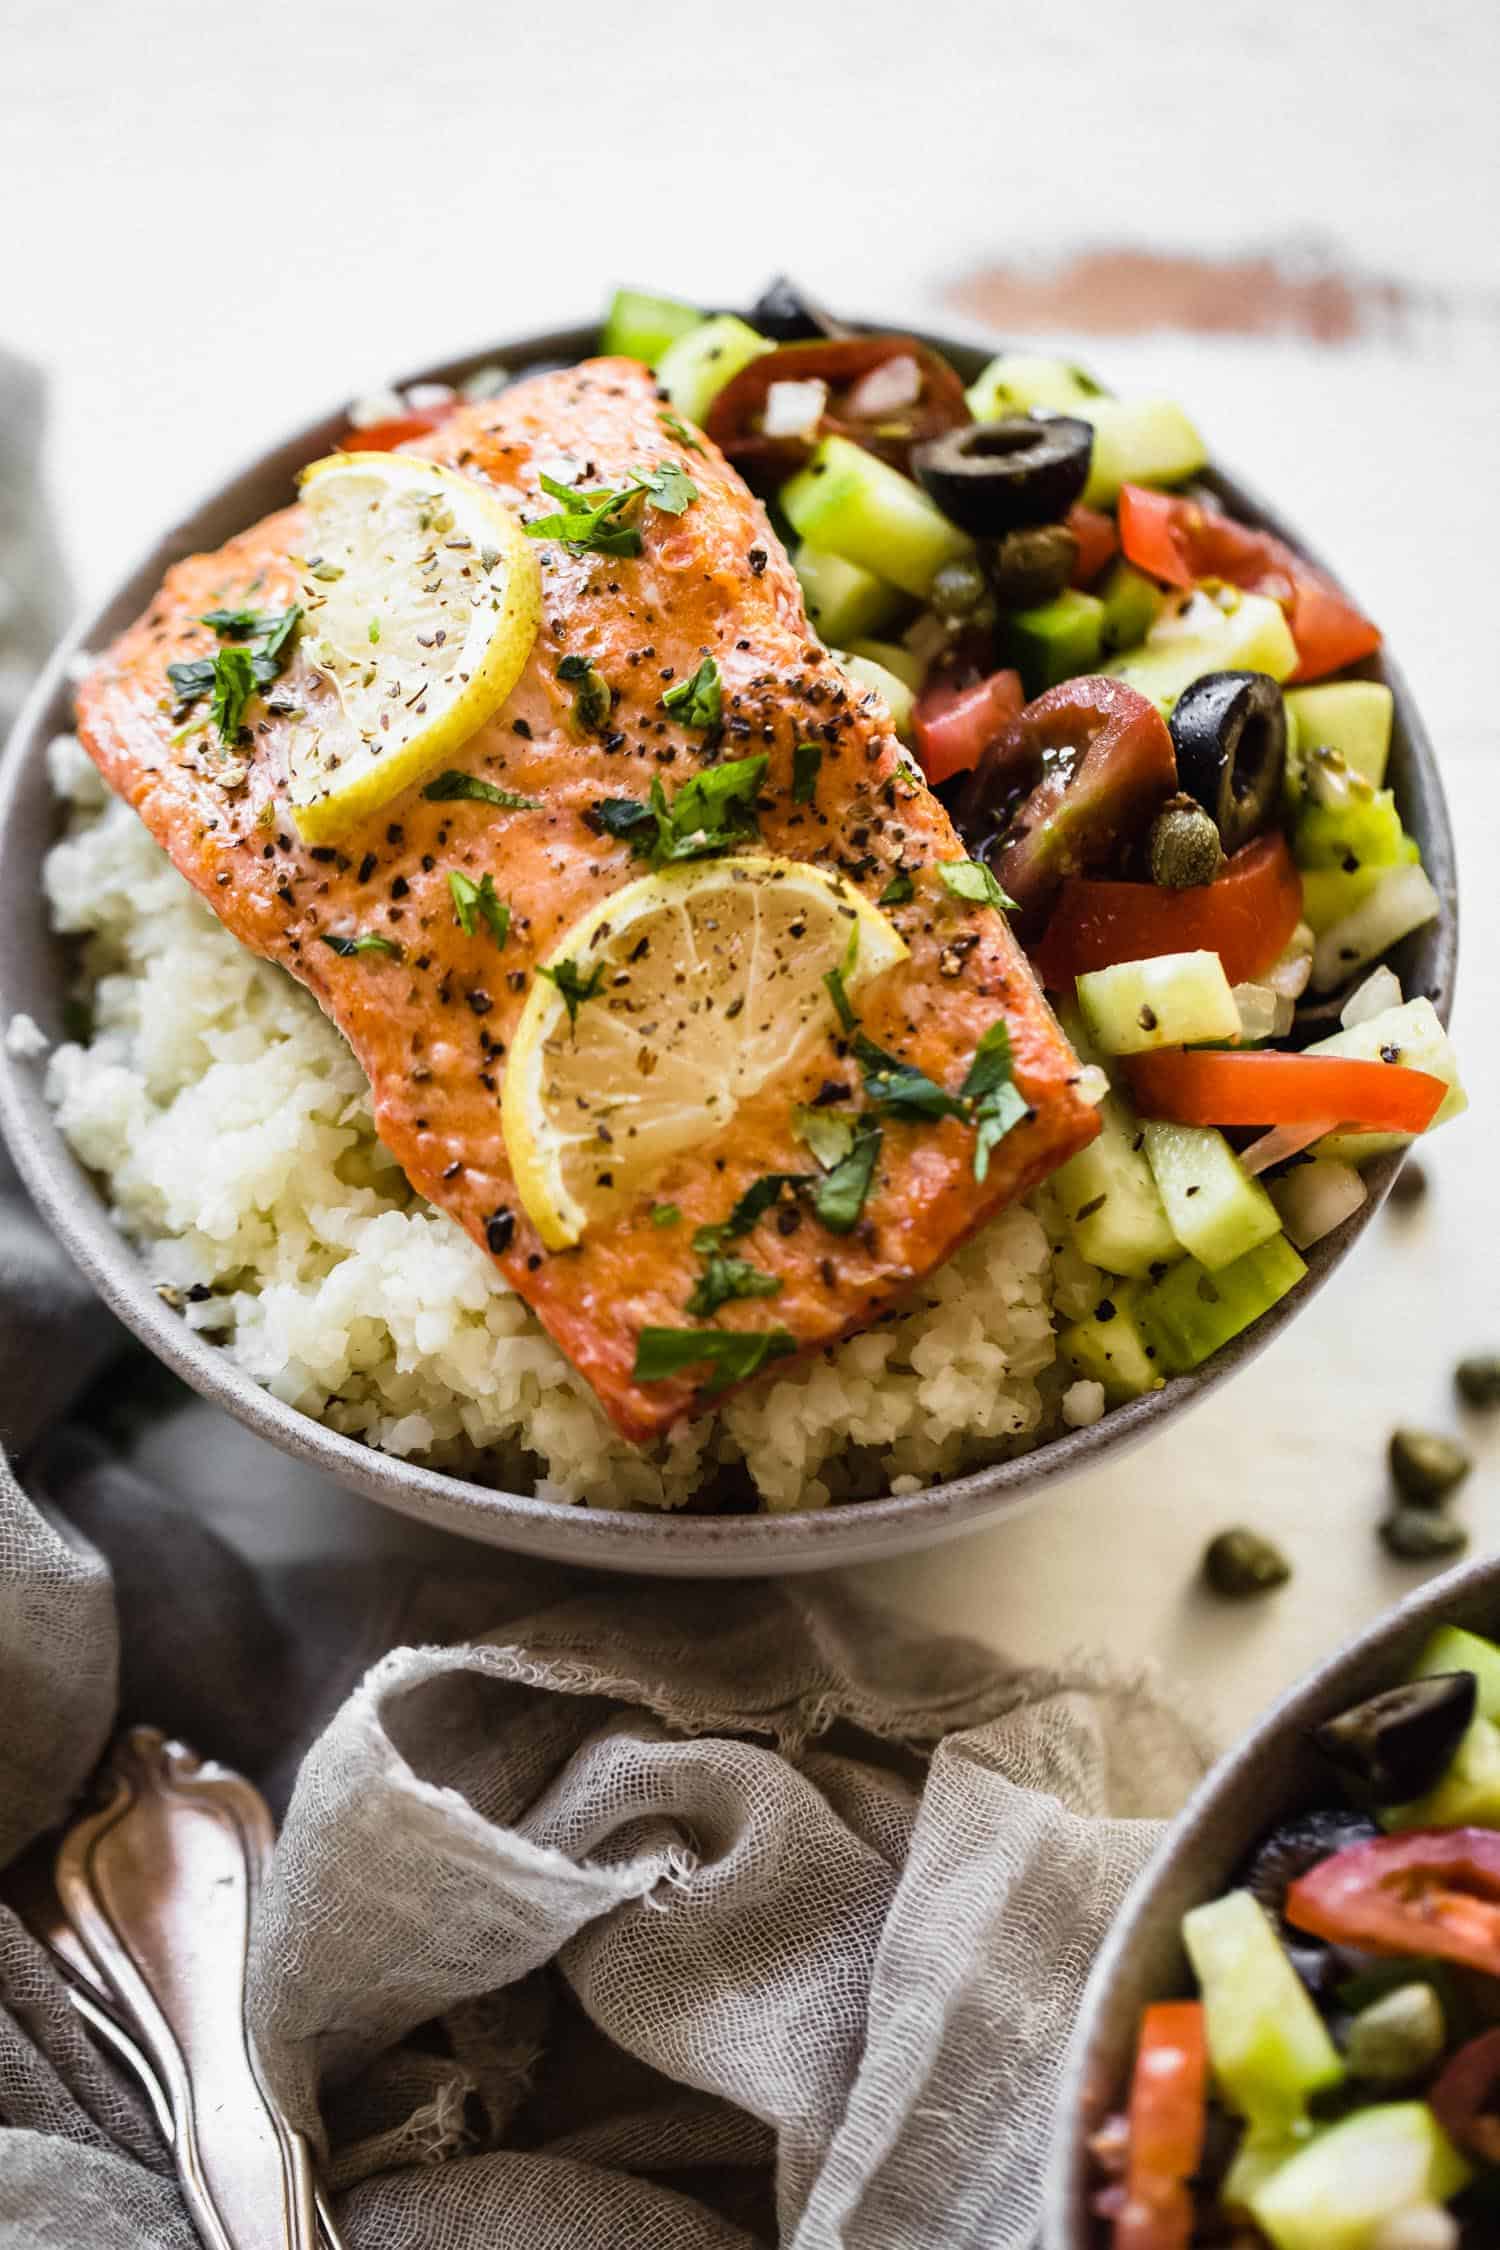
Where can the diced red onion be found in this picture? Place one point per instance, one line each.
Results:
(794, 409)
(1283, 1141)
(885, 390)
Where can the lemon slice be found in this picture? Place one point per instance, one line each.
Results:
(702, 983)
(421, 599)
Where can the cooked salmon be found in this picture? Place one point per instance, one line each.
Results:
(431, 1019)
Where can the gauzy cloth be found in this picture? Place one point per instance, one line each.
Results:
(605, 1915)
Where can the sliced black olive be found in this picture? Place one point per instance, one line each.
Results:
(1275, 1864)
(1229, 729)
(994, 477)
(785, 314)
(1395, 1746)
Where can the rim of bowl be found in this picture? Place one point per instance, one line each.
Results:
(661, 1542)
(1272, 1772)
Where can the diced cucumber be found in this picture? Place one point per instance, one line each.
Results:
(1267, 2044)
(1217, 1211)
(1350, 716)
(1015, 383)
(1109, 1199)
(1467, 1792)
(1107, 1347)
(899, 698)
(1132, 604)
(1339, 2191)
(844, 603)
(858, 506)
(641, 327)
(1172, 1000)
(1451, 1649)
(892, 657)
(1315, 1198)
(693, 370)
(1190, 1312)
(1411, 1034)
(1365, 828)
(1056, 640)
(1226, 631)
(1330, 894)
(1401, 901)
(1138, 441)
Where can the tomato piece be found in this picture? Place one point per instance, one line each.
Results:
(1168, 2117)
(1464, 2097)
(1246, 916)
(842, 362)
(398, 429)
(1098, 541)
(1212, 1088)
(954, 726)
(1433, 1891)
(1182, 543)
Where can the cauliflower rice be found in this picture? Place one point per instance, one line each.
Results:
(232, 1127)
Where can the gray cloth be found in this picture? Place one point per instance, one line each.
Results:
(605, 1915)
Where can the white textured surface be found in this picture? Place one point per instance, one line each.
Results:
(215, 219)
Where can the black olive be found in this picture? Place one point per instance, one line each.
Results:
(783, 313)
(1275, 1864)
(1394, 1747)
(994, 477)
(1229, 730)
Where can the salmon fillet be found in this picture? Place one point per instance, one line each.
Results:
(431, 1025)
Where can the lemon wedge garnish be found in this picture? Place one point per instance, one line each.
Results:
(421, 598)
(661, 1011)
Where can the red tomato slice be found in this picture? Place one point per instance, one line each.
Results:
(1098, 541)
(954, 725)
(1435, 1891)
(1246, 916)
(1212, 1088)
(735, 417)
(384, 437)
(1168, 2113)
(1182, 542)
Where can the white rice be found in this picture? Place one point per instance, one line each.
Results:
(232, 1128)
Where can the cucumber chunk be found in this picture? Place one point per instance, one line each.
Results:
(1190, 1313)
(1267, 2043)
(1015, 383)
(1402, 900)
(1364, 827)
(856, 505)
(1138, 441)
(1338, 2192)
(1315, 1198)
(1172, 1000)
(694, 369)
(641, 327)
(893, 658)
(1451, 1649)
(1110, 1201)
(1217, 1211)
(1411, 1034)
(844, 603)
(1056, 640)
(1350, 716)
(1467, 1794)
(867, 674)
(1226, 631)
(1107, 1347)
(1331, 894)
(1132, 604)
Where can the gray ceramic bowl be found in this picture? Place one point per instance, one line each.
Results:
(1274, 1773)
(32, 978)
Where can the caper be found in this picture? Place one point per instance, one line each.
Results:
(1033, 565)
(959, 589)
(1478, 1379)
(1427, 1467)
(1241, 1562)
(1399, 2037)
(1185, 847)
(1422, 1534)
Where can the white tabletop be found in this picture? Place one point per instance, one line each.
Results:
(216, 220)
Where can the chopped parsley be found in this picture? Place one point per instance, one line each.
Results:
(843, 1007)
(971, 879)
(995, 1100)
(899, 1089)
(234, 684)
(752, 1206)
(668, 487)
(367, 942)
(699, 701)
(452, 785)
(240, 624)
(474, 903)
(675, 427)
(840, 1196)
(593, 698)
(807, 759)
(233, 676)
(665, 1215)
(899, 890)
(625, 816)
(709, 814)
(574, 986)
(829, 1136)
(734, 1355)
(191, 678)
(589, 522)
(725, 1279)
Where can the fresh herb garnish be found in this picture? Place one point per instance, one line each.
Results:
(593, 698)
(843, 1007)
(898, 890)
(452, 785)
(839, 1198)
(367, 942)
(995, 1100)
(807, 759)
(971, 879)
(474, 903)
(234, 684)
(191, 678)
(665, 1214)
(240, 624)
(709, 814)
(574, 986)
(625, 816)
(899, 1089)
(233, 676)
(668, 487)
(752, 1206)
(675, 427)
(373, 631)
(725, 1279)
(590, 521)
(698, 702)
(825, 1132)
(734, 1354)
